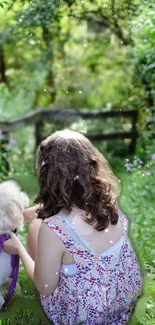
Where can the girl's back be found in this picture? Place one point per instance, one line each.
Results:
(99, 241)
(104, 280)
(100, 278)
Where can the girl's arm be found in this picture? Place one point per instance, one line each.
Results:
(30, 213)
(28, 262)
(14, 246)
(45, 271)
(48, 260)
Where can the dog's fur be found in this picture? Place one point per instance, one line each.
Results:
(12, 204)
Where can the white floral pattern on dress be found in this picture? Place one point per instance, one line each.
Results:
(103, 291)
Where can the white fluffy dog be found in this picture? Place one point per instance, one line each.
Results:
(12, 204)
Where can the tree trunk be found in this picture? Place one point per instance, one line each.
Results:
(3, 77)
(47, 37)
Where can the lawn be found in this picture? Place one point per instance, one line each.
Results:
(137, 202)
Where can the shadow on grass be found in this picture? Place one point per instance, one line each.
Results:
(24, 309)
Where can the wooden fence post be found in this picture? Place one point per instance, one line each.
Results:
(38, 133)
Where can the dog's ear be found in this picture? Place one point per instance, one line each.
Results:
(12, 204)
(11, 216)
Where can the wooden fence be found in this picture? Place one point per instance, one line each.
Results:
(39, 116)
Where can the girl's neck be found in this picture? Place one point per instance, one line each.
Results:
(76, 212)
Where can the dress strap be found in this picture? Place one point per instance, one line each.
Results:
(63, 236)
(74, 232)
(71, 244)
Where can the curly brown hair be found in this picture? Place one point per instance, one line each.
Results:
(72, 172)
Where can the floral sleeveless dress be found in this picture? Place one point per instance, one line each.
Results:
(104, 289)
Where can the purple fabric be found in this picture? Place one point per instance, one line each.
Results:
(15, 270)
(2, 239)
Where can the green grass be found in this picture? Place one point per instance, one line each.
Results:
(27, 309)
(137, 201)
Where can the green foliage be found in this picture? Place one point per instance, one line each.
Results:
(74, 65)
(141, 189)
(137, 201)
(3, 3)
(83, 54)
(143, 33)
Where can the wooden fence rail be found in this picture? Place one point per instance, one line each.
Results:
(58, 115)
(39, 116)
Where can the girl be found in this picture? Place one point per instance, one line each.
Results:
(81, 262)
